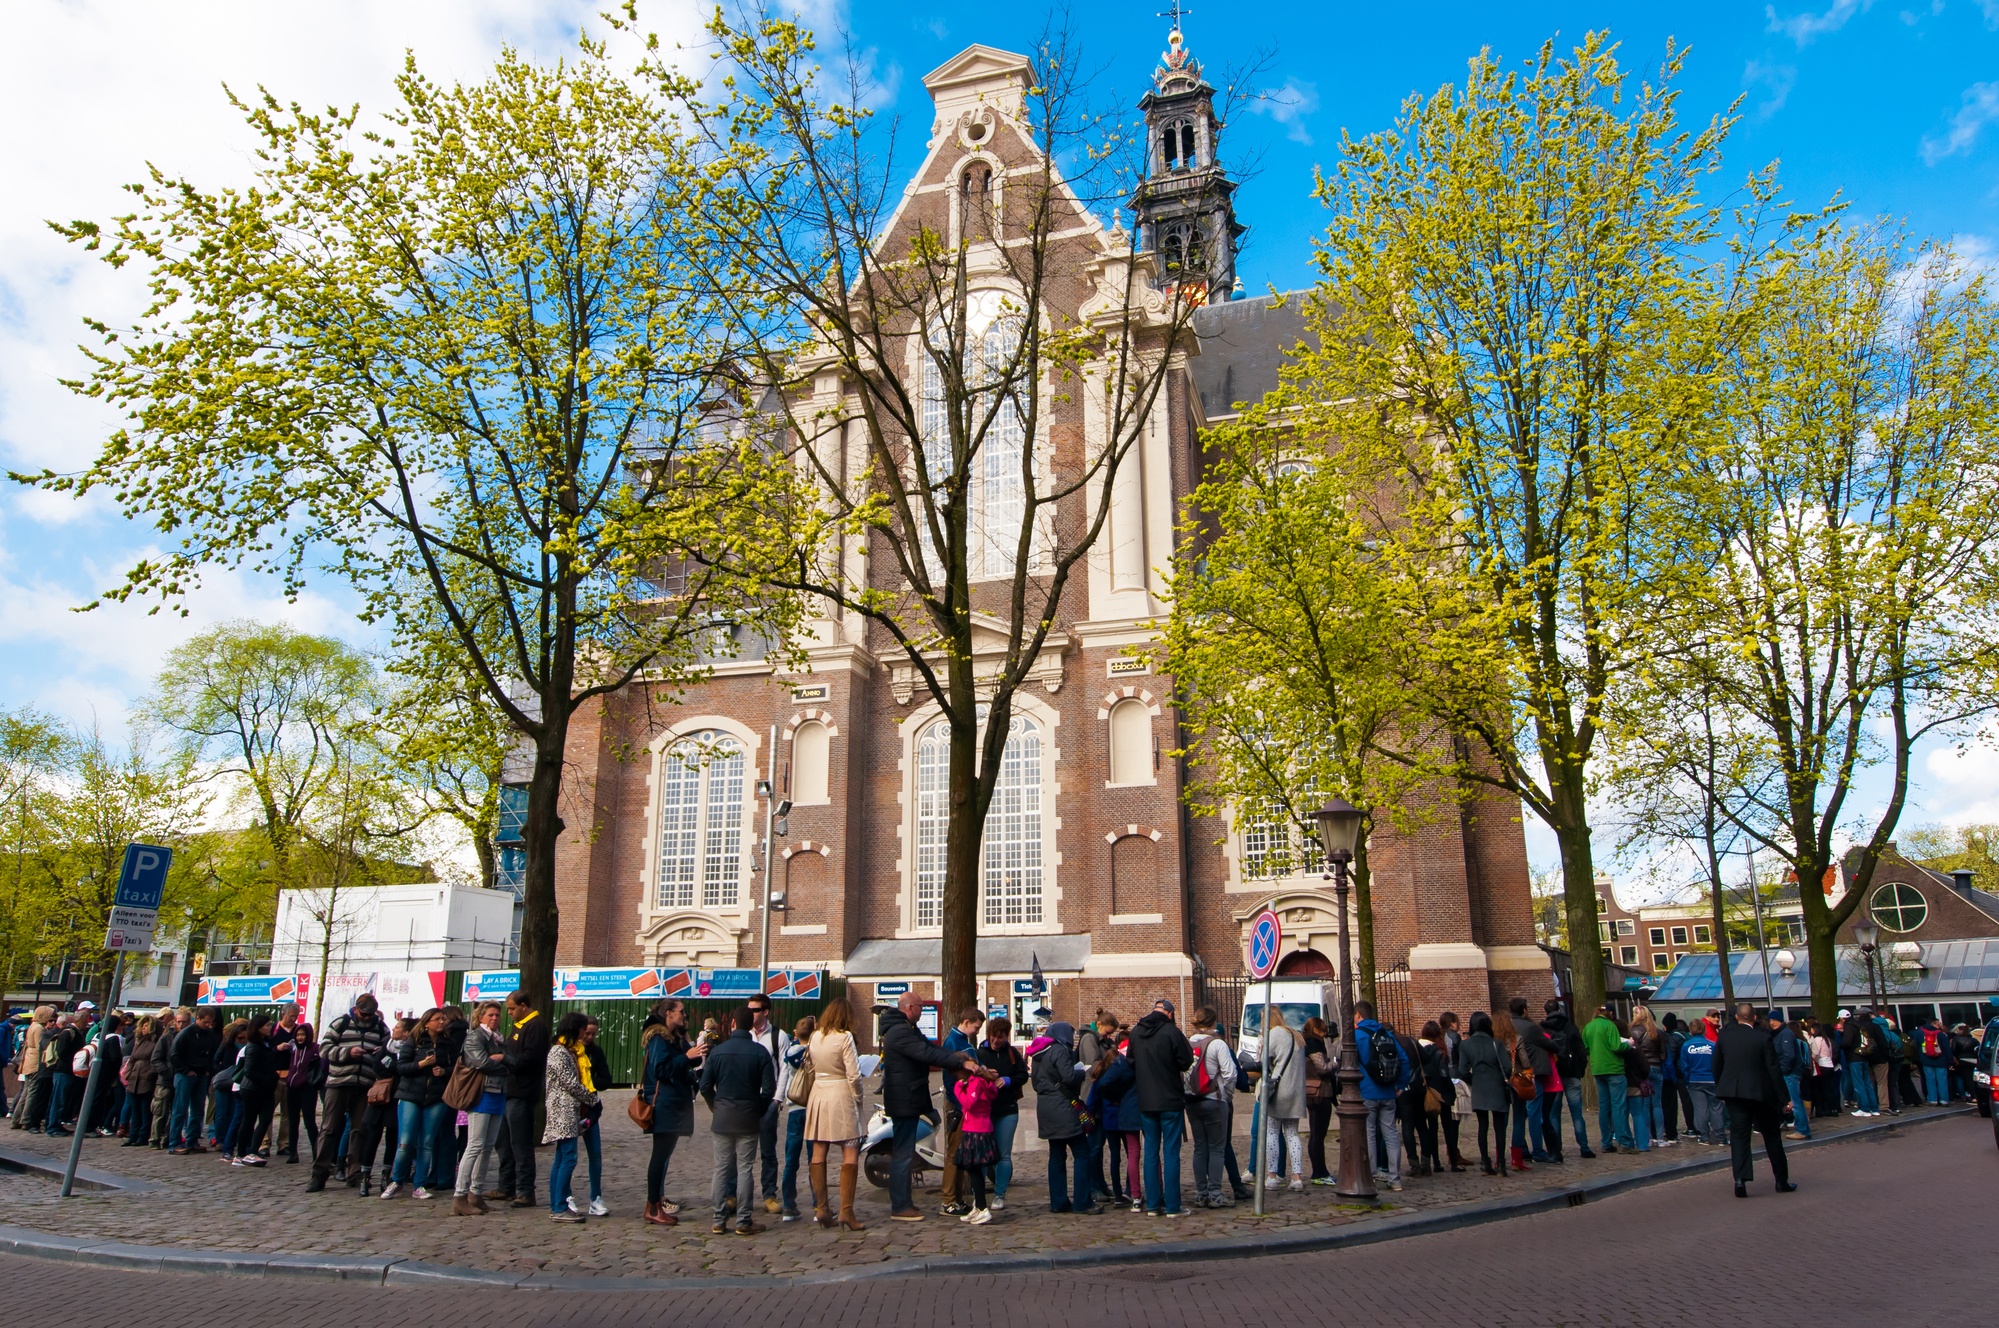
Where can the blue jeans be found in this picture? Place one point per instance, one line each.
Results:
(1551, 1117)
(1801, 1115)
(593, 1149)
(58, 1101)
(184, 1125)
(1078, 1150)
(226, 1106)
(794, 1144)
(1611, 1128)
(1862, 1084)
(1528, 1129)
(561, 1171)
(902, 1152)
(1161, 1132)
(416, 1148)
(1639, 1110)
(1657, 1102)
(1003, 1131)
(1936, 1083)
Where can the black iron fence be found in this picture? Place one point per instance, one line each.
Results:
(1227, 995)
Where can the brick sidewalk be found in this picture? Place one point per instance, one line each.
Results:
(207, 1204)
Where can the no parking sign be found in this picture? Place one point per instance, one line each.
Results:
(1266, 935)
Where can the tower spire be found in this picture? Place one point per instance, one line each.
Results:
(1184, 209)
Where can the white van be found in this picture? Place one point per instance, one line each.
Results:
(1298, 1001)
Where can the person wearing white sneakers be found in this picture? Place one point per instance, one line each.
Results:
(977, 1148)
(1283, 1061)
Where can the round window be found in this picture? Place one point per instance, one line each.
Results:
(1899, 907)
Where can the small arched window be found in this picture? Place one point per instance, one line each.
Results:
(1180, 245)
(811, 766)
(1131, 742)
(975, 202)
(1176, 147)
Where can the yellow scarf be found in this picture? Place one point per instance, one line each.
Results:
(582, 1065)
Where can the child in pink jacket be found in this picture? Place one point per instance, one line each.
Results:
(977, 1149)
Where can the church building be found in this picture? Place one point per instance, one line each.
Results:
(1109, 886)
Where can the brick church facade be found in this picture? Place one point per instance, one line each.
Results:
(1108, 884)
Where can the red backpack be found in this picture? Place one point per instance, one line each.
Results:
(1932, 1042)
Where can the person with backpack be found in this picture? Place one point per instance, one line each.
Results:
(352, 1050)
(1793, 1064)
(1320, 1089)
(1933, 1056)
(1963, 1061)
(1485, 1066)
(1210, 1080)
(1058, 1079)
(1672, 1092)
(1882, 1060)
(1571, 1059)
(1283, 1061)
(1858, 1042)
(1533, 1049)
(1120, 1141)
(1606, 1043)
(1385, 1071)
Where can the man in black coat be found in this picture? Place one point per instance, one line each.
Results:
(527, 1063)
(907, 1060)
(738, 1082)
(1160, 1058)
(1746, 1077)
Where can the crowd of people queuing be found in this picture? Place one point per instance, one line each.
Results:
(464, 1099)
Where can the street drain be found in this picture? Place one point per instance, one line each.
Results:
(1577, 1199)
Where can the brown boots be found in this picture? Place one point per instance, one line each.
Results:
(822, 1206)
(657, 1215)
(462, 1206)
(850, 1175)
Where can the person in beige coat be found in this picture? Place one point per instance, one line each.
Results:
(833, 1111)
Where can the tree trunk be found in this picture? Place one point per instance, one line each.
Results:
(1820, 929)
(963, 838)
(489, 860)
(1579, 904)
(1363, 903)
(539, 920)
(1715, 888)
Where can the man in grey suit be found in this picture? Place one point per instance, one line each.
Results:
(1747, 1079)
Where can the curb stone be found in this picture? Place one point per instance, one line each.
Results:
(26, 1243)
(87, 1178)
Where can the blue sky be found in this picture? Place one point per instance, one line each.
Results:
(1895, 107)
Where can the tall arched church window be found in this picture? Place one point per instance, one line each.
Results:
(1004, 493)
(1131, 742)
(701, 822)
(1176, 145)
(933, 813)
(811, 764)
(975, 202)
(1013, 832)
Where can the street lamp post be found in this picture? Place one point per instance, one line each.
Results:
(1339, 832)
(1868, 936)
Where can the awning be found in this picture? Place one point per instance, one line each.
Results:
(998, 956)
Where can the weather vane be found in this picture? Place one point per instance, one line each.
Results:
(1176, 13)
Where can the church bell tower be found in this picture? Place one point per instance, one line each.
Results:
(1185, 208)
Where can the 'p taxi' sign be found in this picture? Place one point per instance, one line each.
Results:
(143, 882)
(1265, 936)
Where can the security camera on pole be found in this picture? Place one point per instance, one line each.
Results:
(135, 912)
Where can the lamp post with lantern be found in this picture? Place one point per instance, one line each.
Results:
(1868, 937)
(1339, 833)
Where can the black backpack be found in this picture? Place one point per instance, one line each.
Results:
(1571, 1057)
(1384, 1061)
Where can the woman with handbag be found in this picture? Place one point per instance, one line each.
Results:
(1485, 1064)
(595, 1068)
(255, 1090)
(997, 1053)
(567, 1098)
(1438, 1094)
(1283, 1060)
(1059, 1081)
(1321, 1086)
(794, 1089)
(833, 1110)
(663, 1107)
(222, 1088)
(484, 1054)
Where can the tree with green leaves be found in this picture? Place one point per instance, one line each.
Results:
(1841, 517)
(1283, 652)
(1503, 275)
(35, 751)
(457, 357)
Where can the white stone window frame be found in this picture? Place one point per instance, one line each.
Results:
(1133, 696)
(1306, 874)
(824, 719)
(1048, 720)
(723, 922)
(995, 186)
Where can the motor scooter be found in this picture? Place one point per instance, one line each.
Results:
(877, 1146)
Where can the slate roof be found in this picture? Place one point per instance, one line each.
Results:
(1242, 344)
(1950, 968)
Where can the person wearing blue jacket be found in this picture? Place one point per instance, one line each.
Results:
(1383, 1131)
(1794, 1059)
(1696, 1069)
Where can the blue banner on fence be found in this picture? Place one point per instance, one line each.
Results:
(647, 984)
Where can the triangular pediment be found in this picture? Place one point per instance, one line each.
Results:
(978, 64)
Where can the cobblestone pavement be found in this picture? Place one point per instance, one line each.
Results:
(210, 1205)
(1678, 1252)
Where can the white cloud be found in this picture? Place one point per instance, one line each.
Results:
(1776, 82)
(94, 92)
(1806, 27)
(1291, 106)
(1978, 107)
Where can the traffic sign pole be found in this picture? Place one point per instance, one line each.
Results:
(1266, 938)
(89, 1085)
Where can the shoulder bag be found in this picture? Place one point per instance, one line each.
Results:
(465, 1088)
(1522, 1078)
(799, 1091)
